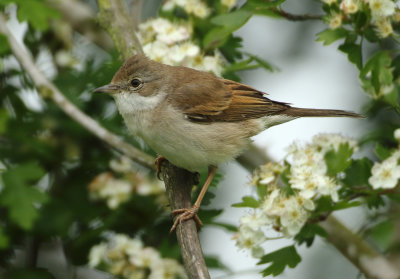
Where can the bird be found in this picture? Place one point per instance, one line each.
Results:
(195, 119)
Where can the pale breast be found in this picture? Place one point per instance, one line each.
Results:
(191, 145)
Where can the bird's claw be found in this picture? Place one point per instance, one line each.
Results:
(158, 162)
(184, 215)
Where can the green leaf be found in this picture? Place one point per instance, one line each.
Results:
(344, 205)
(214, 262)
(383, 234)
(4, 239)
(215, 38)
(338, 161)
(4, 117)
(382, 152)
(375, 201)
(391, 97)
(233, 20)
(248, 64)
(266, 65)
(241, 65)
(379, 68)
(228, 24)
(358, 172)
(208, 215)
(225, 226)
(37, 273)
(308, 233)
(353, 52)
(36, 12)
(279, 260)
(4, 45)
(329, 36)
(231, 49)
(262, 7)
(247, 201)
(19, 196)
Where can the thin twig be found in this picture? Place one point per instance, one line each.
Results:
(178, 184)
(293, 17)
(48, 90)
(115, 19)
(369, 261)
(136, 12)
(82, 19)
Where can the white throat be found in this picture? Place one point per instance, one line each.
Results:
(131, 103)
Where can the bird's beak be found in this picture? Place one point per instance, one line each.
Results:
(109, 89)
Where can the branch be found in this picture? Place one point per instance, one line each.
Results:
(48, 90)
(117, 22)
(136, 12)
(179, 183)
(293, 17)
(82, 19)
(369, 261)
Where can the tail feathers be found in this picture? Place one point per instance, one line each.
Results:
(305, 112)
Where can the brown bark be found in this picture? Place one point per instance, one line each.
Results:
(179, 183)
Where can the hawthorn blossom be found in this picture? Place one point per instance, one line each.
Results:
(195, 7)
(381, 8)
(287, 211)
(385, 175)
(170, 43)
(229, 3)
(335, 20)
(127, 257)
(349, 6)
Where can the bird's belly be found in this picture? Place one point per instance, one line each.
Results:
(194, 146)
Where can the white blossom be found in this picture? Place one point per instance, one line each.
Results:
(349, 6)
(384, 29)
(335, 20)
(396, 134)
(294, 216)
(250, 239)
(128, 258)
(97, 254)
(386, 174)
(146, 258)
(121, 165)
(167, 269)
(229, 3)
(381, 8)
(328, 141)
(329, 2)
(169, 43)
(116, 191)
(195, 7)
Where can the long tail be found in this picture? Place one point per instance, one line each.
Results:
(305, 112)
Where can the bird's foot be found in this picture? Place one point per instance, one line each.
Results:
(159, 160)
(184, 215)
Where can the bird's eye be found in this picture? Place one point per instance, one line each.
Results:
(136, 82)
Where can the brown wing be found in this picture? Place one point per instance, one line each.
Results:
(206, 98)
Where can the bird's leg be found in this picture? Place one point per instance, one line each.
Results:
(159, 160)
(189, 213)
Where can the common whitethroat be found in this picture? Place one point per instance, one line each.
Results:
(193, 118)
